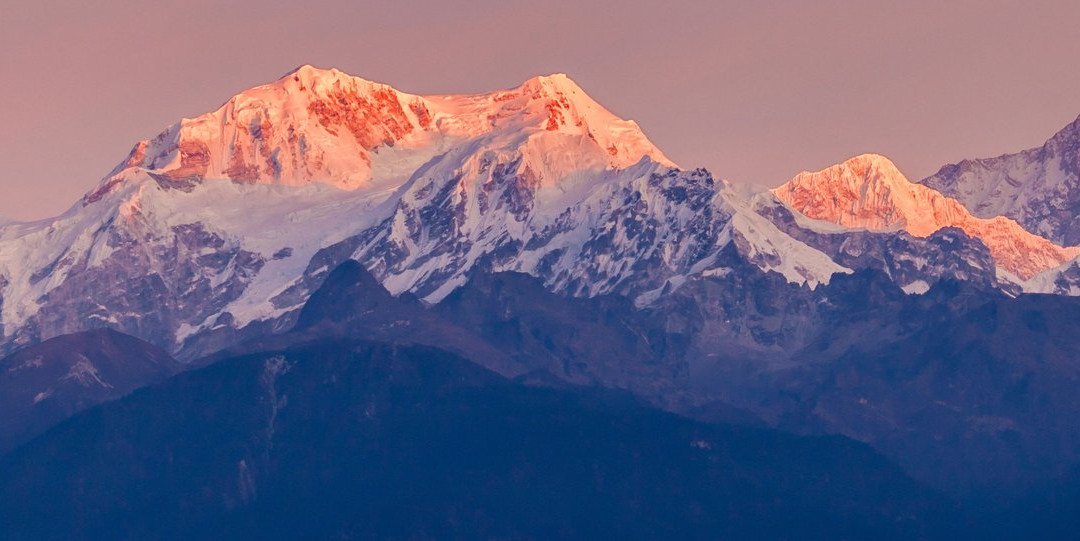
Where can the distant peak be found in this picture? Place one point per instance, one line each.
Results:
(1069, 132)
(861, 169)
(553, 79)
(307, 71)
(309, 75)
(871, 162)
(871, 157)
(869, 192)
(555, 83)
(864, 191)
(304, 68)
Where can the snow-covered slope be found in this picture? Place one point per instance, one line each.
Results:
(869, 192)
(228, 221)
(1039, 187)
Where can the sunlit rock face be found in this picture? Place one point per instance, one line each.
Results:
(316, 125)
(869, 192)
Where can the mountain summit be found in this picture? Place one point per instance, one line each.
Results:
(323, 125)
(868, 191)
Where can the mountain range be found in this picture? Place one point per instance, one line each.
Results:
(539, 179)
(522, 250)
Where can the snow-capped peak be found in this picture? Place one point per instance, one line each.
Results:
(555, 83)
(323, 125)
(311, 75)
(869, 192)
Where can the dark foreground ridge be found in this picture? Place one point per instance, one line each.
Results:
(45, 383)
(361, 440)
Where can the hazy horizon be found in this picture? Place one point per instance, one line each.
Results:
(754, 93)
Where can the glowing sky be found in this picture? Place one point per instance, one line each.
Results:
(755, 91)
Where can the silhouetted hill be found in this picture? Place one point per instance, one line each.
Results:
(360, 440)
(43, 384)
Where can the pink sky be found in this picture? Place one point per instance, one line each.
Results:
(754, 91)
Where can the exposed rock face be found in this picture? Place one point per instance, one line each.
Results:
(1039, 187)
(869, 192)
